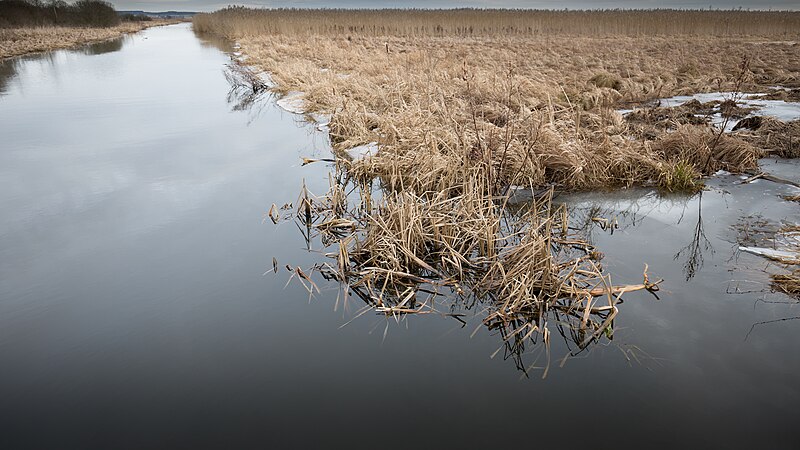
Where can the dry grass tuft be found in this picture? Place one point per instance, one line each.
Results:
(775, 137)
(703, 149)
(792, 198)
(520, 263)
(789, 283)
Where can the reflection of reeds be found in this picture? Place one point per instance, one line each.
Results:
(246, 87)
(409, 251)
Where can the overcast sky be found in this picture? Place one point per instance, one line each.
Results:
(211, 5)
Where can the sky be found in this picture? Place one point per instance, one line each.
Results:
(211, 5)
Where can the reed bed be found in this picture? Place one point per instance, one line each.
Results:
(404, 253)
(536, 110)
(467, 107)
(540, 107)
(240, 21)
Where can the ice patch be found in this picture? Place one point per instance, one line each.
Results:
(292, 102)
(780, 255)
(266, 78)
(363, 151)
(779, 109)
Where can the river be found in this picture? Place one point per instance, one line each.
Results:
(135, 311)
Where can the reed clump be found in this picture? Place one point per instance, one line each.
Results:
(788, 283)
(403, 253)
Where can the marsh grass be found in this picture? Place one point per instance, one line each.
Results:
(538, 109)
(462, 118)
(241, 21)
(408, 253)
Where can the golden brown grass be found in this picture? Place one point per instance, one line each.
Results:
(21, 41)
(463, 117)
(240, 21)
(406, 252)
(538, 108)
(788, 283)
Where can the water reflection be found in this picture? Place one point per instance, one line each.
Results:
(8, 70)
(214, 41)
(693, 252)
(9, 67)
(100, 48)
(134, 307)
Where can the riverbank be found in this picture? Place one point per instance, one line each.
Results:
(535, 108)
(22, 41)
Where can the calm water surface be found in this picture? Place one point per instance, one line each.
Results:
(134, 312)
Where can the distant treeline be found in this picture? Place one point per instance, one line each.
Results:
(35, 13)
(240, 21)
(135, 17)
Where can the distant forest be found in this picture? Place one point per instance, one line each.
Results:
(36, 13)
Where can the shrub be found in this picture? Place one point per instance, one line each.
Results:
(85, 13)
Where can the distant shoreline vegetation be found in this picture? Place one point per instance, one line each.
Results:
(243, 21)
(35, 13)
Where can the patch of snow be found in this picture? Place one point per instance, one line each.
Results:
(779, 109)
(292, 102)
(266, 78)
(363, 151)
(782, 255)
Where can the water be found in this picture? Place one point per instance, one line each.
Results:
(134, 312)
(778, 109)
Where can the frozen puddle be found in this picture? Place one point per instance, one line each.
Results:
(779, 109)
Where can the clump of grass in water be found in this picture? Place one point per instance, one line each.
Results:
(681, 177)
(789, 283)
(408, 252)
(792, 198)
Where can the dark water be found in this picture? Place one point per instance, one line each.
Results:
(134, 312)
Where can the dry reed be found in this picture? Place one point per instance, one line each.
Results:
(464, 116)
(537, 109)
(788, 283)
(241, 21)
(520, 263)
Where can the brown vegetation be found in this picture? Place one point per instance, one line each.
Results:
(241, 22)
(773, 136)
(539, 107)
(469, 106)
(21, 41)
(404, 253)
(788, 283)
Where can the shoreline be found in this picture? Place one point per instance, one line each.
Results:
(16, 42)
